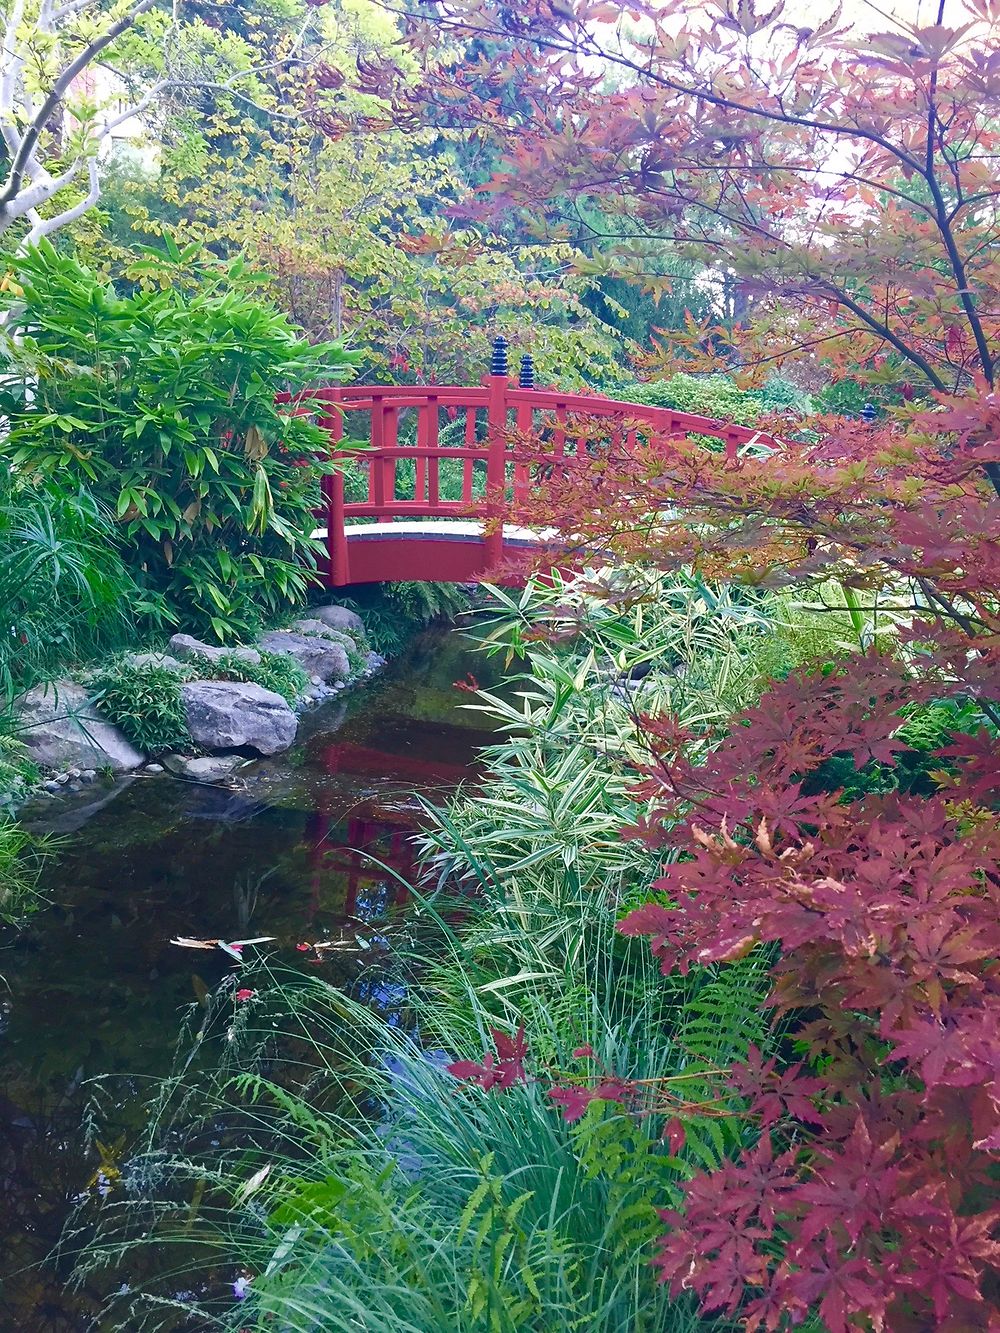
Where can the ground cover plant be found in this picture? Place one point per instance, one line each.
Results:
(65, 592)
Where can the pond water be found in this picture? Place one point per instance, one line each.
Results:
(93, 985)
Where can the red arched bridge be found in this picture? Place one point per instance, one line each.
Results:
(463, 439)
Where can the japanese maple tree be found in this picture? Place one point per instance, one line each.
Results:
(840, 184)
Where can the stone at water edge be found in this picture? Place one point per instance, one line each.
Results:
(231, 715)
(207, 768)
(316, 656)
(186, 647)
(338, 617)
(60, 727)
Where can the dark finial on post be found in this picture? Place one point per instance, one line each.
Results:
(527, 378)
(868, 413)
(498, 366)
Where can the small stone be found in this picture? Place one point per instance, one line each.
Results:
(163, 660)
(51, 786)
(88, 775)
(316, 680)
(154, 768)
(72, 772)
(317, 656)
(230, 715)
(186, 647)
(62, 778)
(58, 724)
(207, 768)
(318, 629)
(339, 617)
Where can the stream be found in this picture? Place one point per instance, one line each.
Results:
(93, 986)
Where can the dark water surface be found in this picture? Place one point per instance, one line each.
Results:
(93, 985)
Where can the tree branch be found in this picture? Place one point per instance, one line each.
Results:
(31, 135)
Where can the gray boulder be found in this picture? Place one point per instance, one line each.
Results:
(61, 728)
(186, 647)
(321, 629)
(339, 617)
(231, 715)
(317, 656)
(206, 768)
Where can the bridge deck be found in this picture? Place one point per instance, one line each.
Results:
(433, 550)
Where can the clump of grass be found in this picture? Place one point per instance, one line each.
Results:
(145, 701)
(22, 858)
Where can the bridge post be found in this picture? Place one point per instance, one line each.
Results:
(337, 570)
(496, 456)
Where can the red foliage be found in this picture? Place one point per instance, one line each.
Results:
(870, 1194)
(501, 1070)
(870, 1190)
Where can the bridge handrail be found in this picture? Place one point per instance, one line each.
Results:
(498, 399)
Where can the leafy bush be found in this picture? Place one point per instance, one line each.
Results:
(145, 701)
(163, 403)
(274, 671)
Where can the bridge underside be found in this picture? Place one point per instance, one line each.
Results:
(435, 551)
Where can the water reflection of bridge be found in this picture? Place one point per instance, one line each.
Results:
(371, 851)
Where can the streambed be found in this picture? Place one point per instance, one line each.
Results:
(93, 986)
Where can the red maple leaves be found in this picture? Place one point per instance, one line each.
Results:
(868, 1196)
(500, 1070)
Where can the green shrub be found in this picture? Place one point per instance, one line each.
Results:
(146, 702)
(394, 611)
(163, 403)
(274, 671)
(17, 771)
(22, 859)
(705, 395)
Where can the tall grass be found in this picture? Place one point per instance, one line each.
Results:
(65, 595)
(341, 1177)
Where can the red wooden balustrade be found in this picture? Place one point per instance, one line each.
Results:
(496, 413)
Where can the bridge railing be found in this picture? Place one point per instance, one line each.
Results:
(490, 418)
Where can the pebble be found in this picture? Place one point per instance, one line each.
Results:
(51, 786)
(72, 772)
(154, 768)
(88, 775)
(316, 680)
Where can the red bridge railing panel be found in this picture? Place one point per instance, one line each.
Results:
(493, 414)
